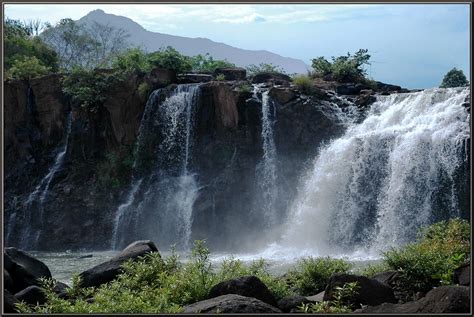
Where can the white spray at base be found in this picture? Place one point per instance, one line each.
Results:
(374, 187)
(164, 211)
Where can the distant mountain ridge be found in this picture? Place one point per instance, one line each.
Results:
(152, 41)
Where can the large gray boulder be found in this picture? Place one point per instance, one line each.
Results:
(9, 302)
(370, 291)
(462, 275)
(444, 299)
(24, 269)
(250, 286)
(32, 295)
(108, 271)
(291, 304)
(230, 304)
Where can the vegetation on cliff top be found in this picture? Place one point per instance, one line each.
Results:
(454, 78)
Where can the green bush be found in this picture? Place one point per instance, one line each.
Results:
(264, 68)
(155, 285)
(430, 261)
(115, 170)
(454, 78)
(312, 274)
(206, 64)
(132, 60)
(345, 68)
(304, 83)
(220, 77)
(27, 68)
(144, 90)
(373, 269)
(171, 59)
(341, 303)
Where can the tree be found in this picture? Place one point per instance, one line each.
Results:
(27, 68)
(20, 43)
(454, 78)
(80, 45)
(264, 68)
(345, 68)
(206, 63)
(170, 58)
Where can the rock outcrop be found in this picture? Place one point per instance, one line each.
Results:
(108, 271)
(249, 286)
(444, 299)
(230, 304)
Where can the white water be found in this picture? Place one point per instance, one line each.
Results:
(267, 170)
(374, 187)
(34, 210)
(164, 210)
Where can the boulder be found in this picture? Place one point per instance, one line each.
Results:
(316, 298)
(230, 303)
(24, 269)
(194, 78)
(9, 302)
(365, 100)
(161, 77)
(350, 88)
(108, 271)
(282, 95)
(291, 304)
(276, 78)
(231, 73)
(7, 281)
(250, 286)
(386, 88)
(386, 277)
(33, 295)
(444, 299)
(61, 289)
(370, 292)
(462, 275)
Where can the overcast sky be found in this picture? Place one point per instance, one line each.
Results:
(411, 45)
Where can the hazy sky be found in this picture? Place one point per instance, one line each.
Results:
(411, 45)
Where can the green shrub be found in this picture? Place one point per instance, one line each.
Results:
(132, 60)
(304, 83)
(454, 78)
(206, 64)
(27, 68)
(264, 68)
(340, 304)
(115, 170)
(220, 77)
(373, 269)
(430, 261)
(312, 274)
(143, 90)
(345, 68)
(171, 59)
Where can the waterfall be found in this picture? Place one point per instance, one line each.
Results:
(34, 210)
(267, 170)
(159, 205)
(385, 177)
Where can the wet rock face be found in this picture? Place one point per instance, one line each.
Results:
(230, 303)
(226, 152)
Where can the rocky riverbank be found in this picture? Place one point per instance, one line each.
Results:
(241, 294)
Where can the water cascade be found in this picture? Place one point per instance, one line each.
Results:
(385, 177)
(267, 170)
(34, 211)
(159, 205)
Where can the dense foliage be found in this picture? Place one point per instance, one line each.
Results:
(207, 64)
(304, 83)
(340, 304)
(25, 52)
(264, 68)
(431, 260)
(312, 274)
(345, 68)
(454, 78)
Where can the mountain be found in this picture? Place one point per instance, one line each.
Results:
(152, 41)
